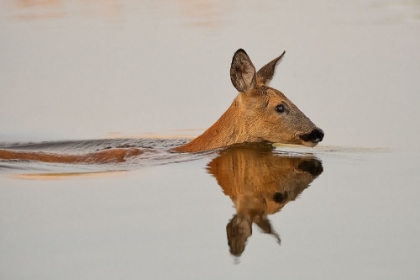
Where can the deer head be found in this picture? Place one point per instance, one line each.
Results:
(272, 116)
(259, 112)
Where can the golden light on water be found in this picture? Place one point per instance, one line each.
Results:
(61, 176)
(47, 9)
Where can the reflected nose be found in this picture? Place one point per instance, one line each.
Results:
(313, 167)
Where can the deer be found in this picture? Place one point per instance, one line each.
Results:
(258, 114)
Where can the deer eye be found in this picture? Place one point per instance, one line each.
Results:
(279, 108)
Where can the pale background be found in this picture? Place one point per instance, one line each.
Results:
(94, 69)
(88, 69)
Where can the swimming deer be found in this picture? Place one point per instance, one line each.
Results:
(259, 113)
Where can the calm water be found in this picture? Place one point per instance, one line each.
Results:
(125, 71)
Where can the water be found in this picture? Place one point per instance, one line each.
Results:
(87, 76)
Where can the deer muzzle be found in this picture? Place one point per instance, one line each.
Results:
(315, 136)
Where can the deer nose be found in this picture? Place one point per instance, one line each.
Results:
(317, 135)
(314, 136)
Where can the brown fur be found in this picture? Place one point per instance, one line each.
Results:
(252, 116)
(106, 156)
(259, 183)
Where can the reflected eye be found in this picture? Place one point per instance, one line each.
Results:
(279, 108)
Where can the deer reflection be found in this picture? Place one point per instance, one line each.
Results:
(259, 183)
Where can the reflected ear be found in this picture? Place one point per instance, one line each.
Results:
(266, 73)
(264, 224)
(242, 72)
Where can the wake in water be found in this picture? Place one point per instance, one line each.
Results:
(91, 155)
(107, 155)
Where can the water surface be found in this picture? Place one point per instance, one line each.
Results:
(85, 76)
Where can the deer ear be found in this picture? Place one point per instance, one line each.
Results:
(242, 71)
(266, 73)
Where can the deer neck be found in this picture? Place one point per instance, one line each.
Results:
(229, 129)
